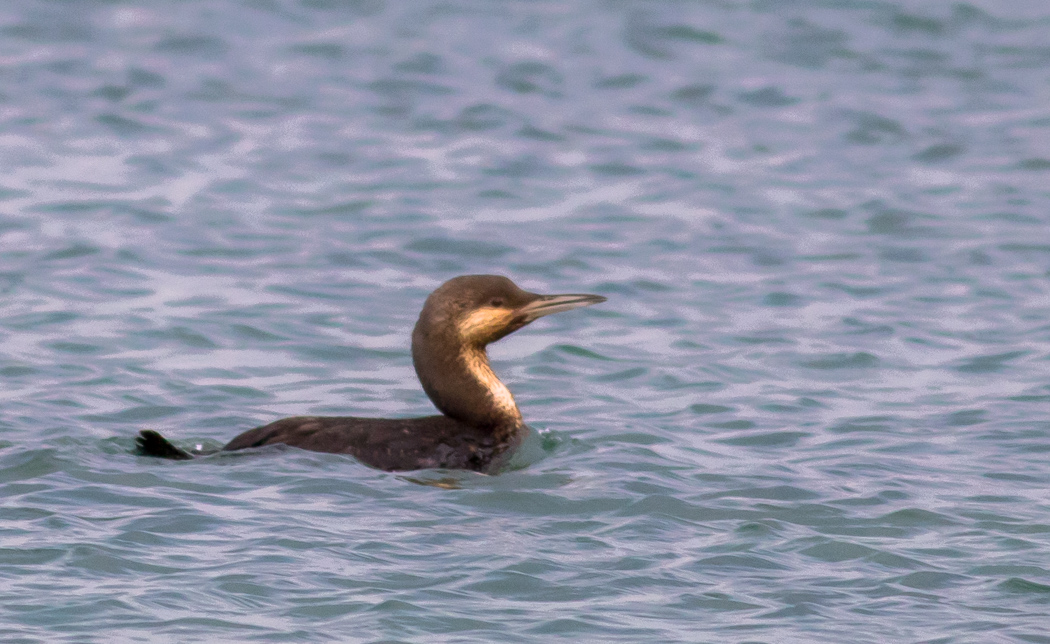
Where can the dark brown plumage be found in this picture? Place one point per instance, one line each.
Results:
(480, 425)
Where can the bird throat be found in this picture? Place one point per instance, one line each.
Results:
(477, 363)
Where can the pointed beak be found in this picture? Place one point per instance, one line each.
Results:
(548, 304)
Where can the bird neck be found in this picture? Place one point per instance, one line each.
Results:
(460, 382)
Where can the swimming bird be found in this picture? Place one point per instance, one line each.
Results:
(480, 424)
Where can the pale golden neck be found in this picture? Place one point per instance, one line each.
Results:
(477, 362)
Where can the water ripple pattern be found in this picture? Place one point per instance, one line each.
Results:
(815, 408)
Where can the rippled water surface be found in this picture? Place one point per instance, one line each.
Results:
(816, 407)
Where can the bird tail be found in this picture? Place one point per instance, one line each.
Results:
(151, 443)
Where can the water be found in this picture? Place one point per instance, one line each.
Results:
(814, 408)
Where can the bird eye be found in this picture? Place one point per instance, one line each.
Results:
(496, 302)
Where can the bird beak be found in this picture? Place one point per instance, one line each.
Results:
(548, 304)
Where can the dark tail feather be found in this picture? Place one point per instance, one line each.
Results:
(151, 443)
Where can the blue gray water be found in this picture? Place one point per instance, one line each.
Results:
(816, 407)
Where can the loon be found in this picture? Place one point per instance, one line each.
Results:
(480, 424)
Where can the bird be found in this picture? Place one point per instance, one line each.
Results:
(480, 424)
